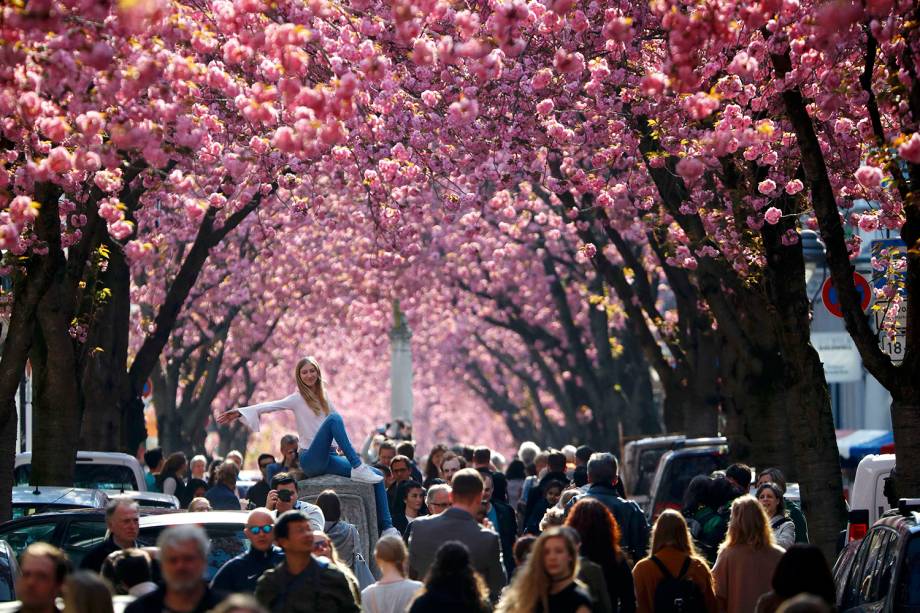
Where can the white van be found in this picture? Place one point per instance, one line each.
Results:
(102, 470)
(867, 496)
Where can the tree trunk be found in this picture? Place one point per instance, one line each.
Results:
(105, 356)
(8, 425)
(755, 412)
(233, 437)
(815, 444)
(57, 401)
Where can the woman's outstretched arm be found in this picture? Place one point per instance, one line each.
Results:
(250, 415)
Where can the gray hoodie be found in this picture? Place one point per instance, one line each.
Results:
(345, 538)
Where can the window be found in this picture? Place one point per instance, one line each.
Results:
(648, 464)
(92, 476)
(7, 591)
(864, 585)
(82, 536)
(908, 594)
(21, 536)
(682, 469)
(25, 510)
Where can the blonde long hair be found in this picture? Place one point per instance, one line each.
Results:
(315, 400)
(671, 531)
(531, 584)
(749, 525)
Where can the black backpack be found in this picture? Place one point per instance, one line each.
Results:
(677, 594)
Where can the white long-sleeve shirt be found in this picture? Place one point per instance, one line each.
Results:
(308, 422)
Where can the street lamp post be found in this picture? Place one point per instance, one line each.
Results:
(400, 368)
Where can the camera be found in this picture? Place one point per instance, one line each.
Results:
(285, 495)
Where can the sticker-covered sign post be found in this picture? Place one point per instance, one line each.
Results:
(889, 278)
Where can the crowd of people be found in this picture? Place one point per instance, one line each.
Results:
(550, 531)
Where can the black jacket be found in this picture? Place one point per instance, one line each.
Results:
(96, 556)
(507, 533)
(535, 495)
(634, 529)
(241, 573)
(437, 601)
(154, 602)
(258, 494)
(320, 588)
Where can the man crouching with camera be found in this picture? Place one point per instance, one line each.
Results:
(283, 497)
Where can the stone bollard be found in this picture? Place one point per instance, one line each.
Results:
(358, 508)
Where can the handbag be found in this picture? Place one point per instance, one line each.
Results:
(363, 571)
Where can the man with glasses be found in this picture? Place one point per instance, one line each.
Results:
(401, 467)
(438, 499)
(258, 493)
(241, 573)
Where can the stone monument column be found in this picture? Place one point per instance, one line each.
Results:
(400, 367)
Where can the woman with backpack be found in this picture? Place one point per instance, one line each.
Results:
(770, 497)
(706, 524)
(747, 558)
(673, 571)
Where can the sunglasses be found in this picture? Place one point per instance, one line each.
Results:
(320, 545)
(256, 529)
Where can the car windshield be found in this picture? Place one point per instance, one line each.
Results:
(24, 510)
(91, 476)
(681, 470)
(155, 503)
(227, 541)
(908, 595)
(648, 464)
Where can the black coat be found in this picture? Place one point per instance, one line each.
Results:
(535, 495)
(507, 532)
(437, 601)
(96, 556)
(154, 602)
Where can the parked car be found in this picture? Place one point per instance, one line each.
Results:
(224, 528)
(641, 458)
(676, 469)
(102, 470)
(76, 531)
(881, 572)
(29, 500)
(868, 501)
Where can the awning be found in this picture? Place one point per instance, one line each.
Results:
(854, 445)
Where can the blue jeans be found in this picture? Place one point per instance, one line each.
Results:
(319, 459)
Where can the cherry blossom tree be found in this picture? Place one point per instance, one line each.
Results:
(129, 128)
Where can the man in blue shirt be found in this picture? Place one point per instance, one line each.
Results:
(241, 573)
(223, 495)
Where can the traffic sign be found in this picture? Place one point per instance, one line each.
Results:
(832, 299)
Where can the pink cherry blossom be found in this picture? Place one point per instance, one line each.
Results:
(794, 187)
(772, 215)
(767, 187)
(869, 176)
(910, 149)
(691, 168)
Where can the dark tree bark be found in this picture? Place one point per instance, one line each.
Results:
(901, 381)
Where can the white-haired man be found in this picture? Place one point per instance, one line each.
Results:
(183, 561)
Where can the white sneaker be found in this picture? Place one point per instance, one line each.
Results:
(391, 531)
(365, 474)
